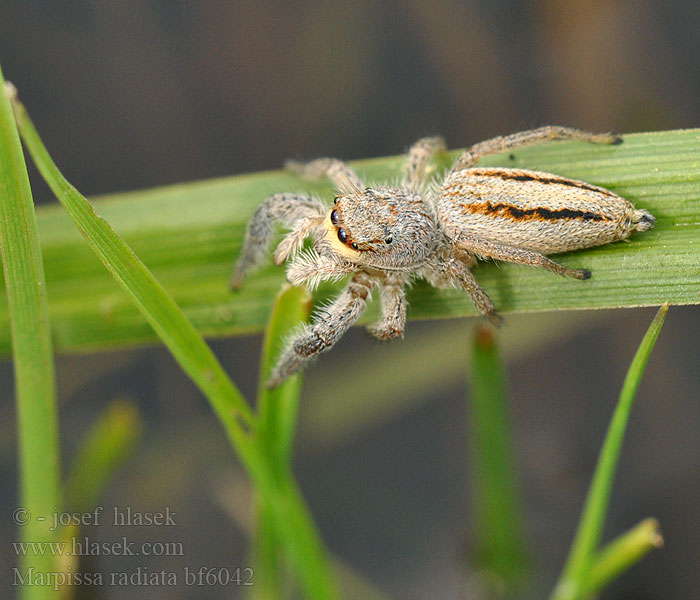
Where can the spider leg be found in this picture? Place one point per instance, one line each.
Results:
(340, 174)
(496, 250)
(533, 136)
(310, 268)
(460, 273)
(419, 157)
(392, 298)
(288, 209)
(328, 327)
(294, 240)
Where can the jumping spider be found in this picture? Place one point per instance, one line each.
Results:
(387, 235)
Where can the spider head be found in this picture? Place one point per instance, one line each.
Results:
(382, 227)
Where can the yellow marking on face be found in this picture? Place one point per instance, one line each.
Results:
(338, 246)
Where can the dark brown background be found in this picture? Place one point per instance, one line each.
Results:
(138, 93)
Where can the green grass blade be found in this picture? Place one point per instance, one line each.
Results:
(620, 554)
(37, 417)
(151, 298)
(277, 408)
(107, 445)
(581, 557)
(287, 508)
(294, 527)
(277, 411)
(353, 583)
(500, 551)
(199, 228)
(272, 572)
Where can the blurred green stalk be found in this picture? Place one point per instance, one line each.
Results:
(106, 446)
(499, 548)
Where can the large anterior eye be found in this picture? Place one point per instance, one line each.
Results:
(342, 235)
(334, 217)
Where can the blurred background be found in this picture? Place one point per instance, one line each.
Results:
(139, 93)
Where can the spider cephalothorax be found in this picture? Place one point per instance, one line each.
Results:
(383, 227)
(386, 235)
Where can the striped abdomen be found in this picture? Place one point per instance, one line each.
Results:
(536, 211)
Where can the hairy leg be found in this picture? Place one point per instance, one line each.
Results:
(462, 275)
(328, 327)
(533, 136)
(392, 298)
(294, 240)
(287, 209)
(497, 251)
(418, 159)
(310, 268)
(342, 176)
(453, 270)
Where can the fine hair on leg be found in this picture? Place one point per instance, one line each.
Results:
(329, 325)
(419, 156)
(340, 174)
(286, 209)
(526, 138)
(498, 251)
(392, 299)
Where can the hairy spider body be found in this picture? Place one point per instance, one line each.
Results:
(387, 235)
(537, 211)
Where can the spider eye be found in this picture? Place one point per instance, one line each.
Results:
(342, 235)
(388, 239)
(354, 245)
(334, 217)
(335, 200)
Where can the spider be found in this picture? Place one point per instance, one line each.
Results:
(387, 235)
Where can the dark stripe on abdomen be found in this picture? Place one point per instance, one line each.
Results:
(515, 175)
(529, 214)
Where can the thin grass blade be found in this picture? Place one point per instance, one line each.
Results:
(277, 411)
(278, 407)
(35, 387)
(620, 554)
(151, 298)
(583, 550)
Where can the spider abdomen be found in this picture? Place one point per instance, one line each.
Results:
(538, 211)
